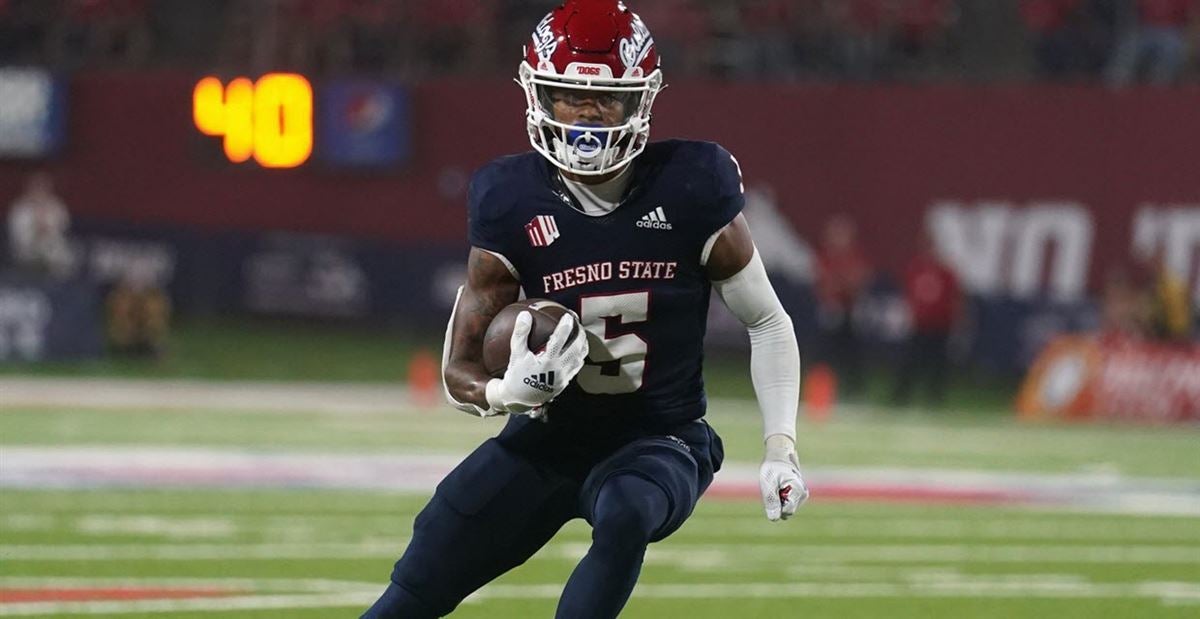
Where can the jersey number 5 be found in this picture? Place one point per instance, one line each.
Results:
(615, 363)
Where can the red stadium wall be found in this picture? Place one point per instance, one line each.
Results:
(882, 153)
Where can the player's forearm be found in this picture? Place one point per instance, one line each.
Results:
(775, 373)
(774, 353)
(463, 375)
(466, 383)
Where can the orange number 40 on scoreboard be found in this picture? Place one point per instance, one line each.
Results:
(270, 120)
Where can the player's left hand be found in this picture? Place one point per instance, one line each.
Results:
(779, 479)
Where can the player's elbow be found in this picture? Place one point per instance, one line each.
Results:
(457, 394)
(466, 407)
(775, 333)
(461, 405)
(774, 319)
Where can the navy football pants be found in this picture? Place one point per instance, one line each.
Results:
(497, 508)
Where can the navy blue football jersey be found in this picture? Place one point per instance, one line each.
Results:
(633, 275)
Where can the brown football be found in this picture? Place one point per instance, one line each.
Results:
(546, 315)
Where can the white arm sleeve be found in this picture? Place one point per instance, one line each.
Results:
(774, 354)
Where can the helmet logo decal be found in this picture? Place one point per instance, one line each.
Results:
(544, 41)
(634, 49)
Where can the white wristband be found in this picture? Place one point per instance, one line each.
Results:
(492, 393)
(779, 445)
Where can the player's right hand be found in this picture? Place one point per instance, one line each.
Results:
(779, 479)
(533, 379)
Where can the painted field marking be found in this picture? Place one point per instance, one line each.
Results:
(166, 466)
(177, 527)
(823, 572)
(315, 585)
(745, 521)
(743, 524)
(1163, 592)
(361, 599)
(800, 551)
(338, 594)
(746, 524)
(201, 552)
(240, 396)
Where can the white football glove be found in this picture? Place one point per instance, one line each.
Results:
(532, 380)
(783, 489)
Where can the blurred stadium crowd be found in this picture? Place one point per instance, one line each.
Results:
(1116, 41)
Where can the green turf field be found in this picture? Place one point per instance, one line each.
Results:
(280, 546)
(834, 561)
(298, 553)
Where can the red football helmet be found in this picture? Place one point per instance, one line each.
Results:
(603, 49)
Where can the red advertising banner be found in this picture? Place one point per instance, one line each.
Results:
(1113, 378)
(1029, 190)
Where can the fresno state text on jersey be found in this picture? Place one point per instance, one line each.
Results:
(602, 271)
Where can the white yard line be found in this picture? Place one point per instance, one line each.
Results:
(799, 550)
(167, 466)
(169, 527)
(201, 552)
(297, 529)
(361, 599)
(940, 528)
(247, 396)
(268, 585)
(1166, 593)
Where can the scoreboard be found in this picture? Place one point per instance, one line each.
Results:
(278, 122)
(270, 119)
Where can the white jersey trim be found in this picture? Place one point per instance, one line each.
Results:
(708, 246)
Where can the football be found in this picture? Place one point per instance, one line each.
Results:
(546, 314)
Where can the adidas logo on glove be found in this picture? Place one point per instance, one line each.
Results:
(541, 382)
(656, 220)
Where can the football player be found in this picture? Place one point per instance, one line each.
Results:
(632, 236)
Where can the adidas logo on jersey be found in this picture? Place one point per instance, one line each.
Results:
(542, 382)
(655, 220)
